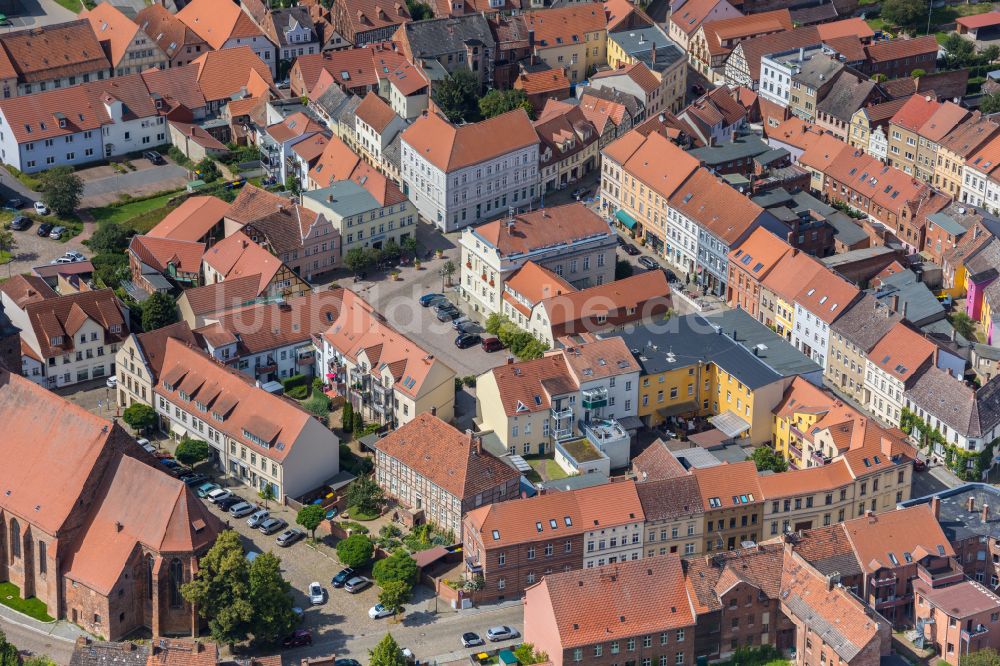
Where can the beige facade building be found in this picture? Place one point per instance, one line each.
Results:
(129, 49)
(852, 337)
(362, 220)
(957, 146)
(574, 38)
(140, 360)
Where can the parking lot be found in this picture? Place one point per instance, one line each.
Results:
(102, 185)
(33, 250)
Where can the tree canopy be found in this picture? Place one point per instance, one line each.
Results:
(272, 599)
(364, 493)
(139, 416)
(400, 566)
(457, 94)
(192, 451)
(496, 102)
(766, 458)
(387, 653)
(109, 238)
(158, 310)
(310, 517)
(527, 654)
(61, 190)
(987, 657)
(394, 594)
(355, 551)
(907, 14)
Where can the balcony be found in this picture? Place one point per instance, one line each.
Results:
(305, 360)
(595, 398)
(562, 433)
(892, 600)
(266, 367)
(560, 414)
(795, 451)
(978, 630)
(818, 458)
(882, 582)
(941, 573)
(473, 566)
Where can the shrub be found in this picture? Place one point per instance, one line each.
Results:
(298, 392)
(295, 380)
(356, 550)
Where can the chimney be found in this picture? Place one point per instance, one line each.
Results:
(970, 504)
(985, 515)
(531, 39)
(434, 410)
(870, 515)
(936, 507)
(510, 360)
(654, 53)
(329, 198)
(118, 526)
(903, 312)
(802, 53)
(895, 302)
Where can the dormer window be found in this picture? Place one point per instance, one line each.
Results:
(184, 396)
(167, 385)
(201, 406)
(55, 341)
(116, 328)
(218, 417)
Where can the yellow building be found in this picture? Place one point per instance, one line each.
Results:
(697, 368)
(661, 55)
(573, 38)
(956, 147)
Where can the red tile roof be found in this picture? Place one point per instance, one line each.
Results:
(169, 32)
(192, 220)
(715, 206)
(545, 227)
(184, 255)
(913, 531)
(898, 49)
(237, 256)
(218, 22)
(759, 253)
(445, 456)
(611, 299)
(450, 148)
(60, 318)
(25, 289)
(728, 485)
(692, 13)
(374, 112)
(54, 51)
(917, 111)
(113, 29)
(230, 72)
(593, 606)
(543, 81)
(535, 283)
(849, 27)
(902, 351)
(566, 25)
(979, 20)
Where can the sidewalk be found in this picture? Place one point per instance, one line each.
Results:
(60, 629)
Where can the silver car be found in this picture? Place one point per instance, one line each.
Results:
(272, 525)
(241, 509)
(57, 233)
(258, 517)
(357, 584)
(501, 633)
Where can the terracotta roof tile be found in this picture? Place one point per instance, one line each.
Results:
(184, 255)
(672, 498)
(742, 27)
(657, 463)
(218, 22)
(529, 386)
(692, 13)
(715, 206)
(374, 112)
(54, 51)
(264, 326)
(660, 164)
(446, 457)
(849, 27)
(914, 531)
(731, 484)
(543, 81)
(591, 606)
(828, 550)
(570, 24)
(238, 256)
(169, 32)
(229, 72)
(192, 220)
(897, 49)
(902, 351)
(113, 29)
(759, 567)
(534, 283)
(222, 296)
(827, 295)
(609, 299)
(451, 148)
(368, 15)
(153, 344)
(25, 289)
(61, 317)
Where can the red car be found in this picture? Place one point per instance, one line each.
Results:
(919, 465)
(299, 638)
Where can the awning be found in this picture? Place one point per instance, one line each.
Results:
(626, 219)
(678, 409)
(630, 422)
(730, 424)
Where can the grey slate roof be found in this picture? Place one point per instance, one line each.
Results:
(779, 354)
(818, 71)
(639, 43)
(847, 95)
(972, 412)
(863, 325)
(630, 102)
(743, 147)
(921, 305)
(844, 228)
(434, 37)
(282, 17)
(331, 100)
(830, 633)
(670, 499)
(956, 520)
(99, 653)
(345, 197)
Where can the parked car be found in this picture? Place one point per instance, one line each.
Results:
(671, 276)
(241, 509)
(356, 584)
(154, 157)
(13, 204)
(346, 662)
(170, 463)
(317, 594)
(73, 255)
(471, 639)
(501, 633)
(44, 229)
(649, 262)
(458, 323)
(342, 577)
(298, 638)
(919, 465)
(194, 479)
(466, 340)
(20, 223)
(57, 233)
(288, 537)
(257, 517)
(236, 183)
(378, 611)
(272, 525)
(470, 327)
(205, 488)
(448, 314)
(630, 250)
(145, 444)
(226, 503)
(492, 344)
(218, 494)
(61, 260)
(41, 208)
(444, 305)
(428, 300)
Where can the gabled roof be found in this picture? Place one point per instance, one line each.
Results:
(741, 27)
(534, 283)
(230, 72)
(222, 296)
(218, 22)
(728, 485)
(237, 256)
(902, 351)
(542, 81)
(827, 295)
(711, 576)
(192, 220)
(25, 289)
(914, 531)
(897, 49)
(917, 111)
(756, 48)
(54, 51)
(447, 457)
(759, 253)
(262, 327)
(529, 386)
(168, 31)
(367, 15)
(692, 13)
(541, 228)
(374, 112)
(569, 24)
(637, 72)
(591, 606)
(659, 163)
(450, 148)
(715, 206)
(113, 30)
(56, 320)
(609, 299)
(159, 253)
(943, 121)
(153, 344)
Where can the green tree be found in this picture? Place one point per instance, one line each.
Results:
(294, 185)
(310, 516)
(623, 269)
(139, 416)
(409, 245)
(110, 238)
(111, 268)
(220, 590)
(273, 617)
(358, 259)
(990, 103)
(394, 594)
(358, 423)
(494, 322)
(527, 654)
(904, 13)
(192, 451)
(387, 653)
(766, 458)
(964, 324)
(917, 73)
(456, 96)
(987, 657)
(61, 190)
(418, 10)
(8, 652)
(989, 54)
(7, 246)
(347, 418)
(355, 551)
(400, 566)
(37, 660)
(209, 170)
(449, 270)
(958, 51)
(266, 494)
(496, 102)
(366, 495)
(158, 310)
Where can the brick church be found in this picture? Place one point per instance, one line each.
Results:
(89, 524)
